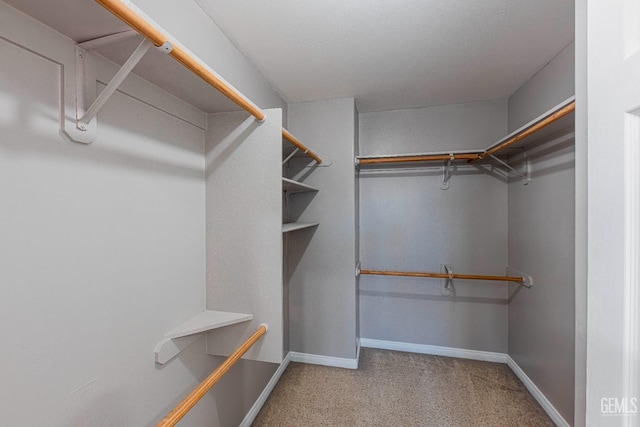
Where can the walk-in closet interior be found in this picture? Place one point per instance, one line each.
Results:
(229, 187)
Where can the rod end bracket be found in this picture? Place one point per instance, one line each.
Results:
(165, 47)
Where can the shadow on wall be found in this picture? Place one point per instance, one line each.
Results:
(301, 169)
(297, 243)
(549, 148)
(433, 169)
(414, 296)
(219, 153)
(135, 143)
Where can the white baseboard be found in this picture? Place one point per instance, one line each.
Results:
(315, 359)
(461, 353)
(253, 412)
(537, 394)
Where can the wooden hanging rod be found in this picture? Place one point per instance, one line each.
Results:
(443, 275)
(531, 129)
(189, 402)
(418, 158)
(292, 139)
(473, 156)
(145, 29)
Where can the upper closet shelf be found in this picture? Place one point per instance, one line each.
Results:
(188, 331)
(167, 74)
(136, 20)
(299, 147)
(291, 186)
(559, 117)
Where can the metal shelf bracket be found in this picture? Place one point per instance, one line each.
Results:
(86, 117)
(524, 175)
(447, 284)
(446, 173)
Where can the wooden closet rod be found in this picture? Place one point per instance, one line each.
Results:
(145, 29)
(443, 275)
(419, 158)
(530, 130)
(189, 402)
(473, 156)
(292, 139)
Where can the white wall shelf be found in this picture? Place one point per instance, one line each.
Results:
(524, 137)
(188, 332)
(564, 122)
(206, 321)
(291, 186)
(293, 226)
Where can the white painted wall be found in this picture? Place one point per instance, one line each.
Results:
(542, 242)
(408, 223)
(322, 260)
(613, 113)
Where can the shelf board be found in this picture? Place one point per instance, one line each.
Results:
(560, 125)
(291, 186)
(539, 136)
(206, 321)
(293, 226)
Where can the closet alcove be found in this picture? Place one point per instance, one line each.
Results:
(190, 218)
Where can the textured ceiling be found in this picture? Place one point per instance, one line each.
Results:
(388, 54)
(396, 54)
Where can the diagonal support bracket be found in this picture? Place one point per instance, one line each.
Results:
(524, 175)
(86, 126)
(113, 85)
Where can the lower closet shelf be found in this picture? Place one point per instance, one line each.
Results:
(291, 186)
(293, 226)
(186, 333)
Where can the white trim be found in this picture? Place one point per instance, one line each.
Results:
(255, 409)
(461, 353)
(631, 344)
(315, 359)
(537, 394)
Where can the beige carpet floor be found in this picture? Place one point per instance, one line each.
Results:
(401, 389)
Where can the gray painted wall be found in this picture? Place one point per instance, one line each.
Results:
(187, 22)
(542, 242)
(408, 223)
(244, 232)
(103, 251)
(547, 88)
(322, 260)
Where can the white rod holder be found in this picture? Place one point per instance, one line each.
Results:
(113, 85)
(446, 174)
(447, 284)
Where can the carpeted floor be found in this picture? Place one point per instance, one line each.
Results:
(401, 390)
